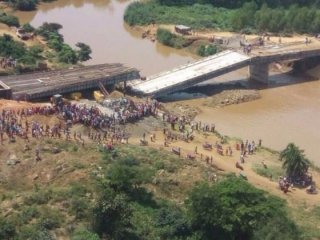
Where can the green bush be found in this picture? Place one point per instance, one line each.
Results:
(28, 28)
(38, 197)
(239, 211)
(7, 229)
(79, 207)
(9, 20)
(159, 165)
(50, 219)
(207, 50)
(270, 171)
(28, 214)
(84, 235)
(24, 5)
(169, 39)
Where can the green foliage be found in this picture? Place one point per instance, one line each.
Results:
(295, 163)
(273, 16)
(231, 209)
(50, 219)
(41, 196)
(127, 175)
(9, 47)
(274, 171)
(79, 208)
(279, 227)
(67, 55)
(17, 50)
(244, 17)
(24, 5)
(9, 19)
(138, 14)
(29, 213)
(207, 50)
(196, 16)
(84, 235)
(239, 3)
(47, 28)
(111, 215)
(28, 28)
(84, 52)
(50, 31)
(172, 223)
(7, 229)
(172, 40)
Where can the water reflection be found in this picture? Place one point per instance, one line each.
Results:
(100, 24)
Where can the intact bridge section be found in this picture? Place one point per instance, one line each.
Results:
(227, 61)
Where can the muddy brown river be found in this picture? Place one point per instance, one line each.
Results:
(284, 114)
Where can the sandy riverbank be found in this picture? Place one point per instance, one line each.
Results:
(150, 32)
(225, 164)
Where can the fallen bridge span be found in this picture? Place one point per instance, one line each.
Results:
(227, 61)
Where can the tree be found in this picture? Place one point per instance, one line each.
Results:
(48, 28)
(84, 52)
(67, 55)
(28, 27)
(172, 222)
(201, 51)
(244, 16)
(295, 163)
(231, 209)
(112, 214)
(126, 175)
(279, 227)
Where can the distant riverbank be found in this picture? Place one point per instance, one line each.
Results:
(247, 17)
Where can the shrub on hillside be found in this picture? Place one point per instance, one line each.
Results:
(9, 20)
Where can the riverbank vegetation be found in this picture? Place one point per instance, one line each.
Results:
(8, 19)
(172, 40)
(25, 5)
(250, 17)
(27, 57)
(62, 51)
(207, 50)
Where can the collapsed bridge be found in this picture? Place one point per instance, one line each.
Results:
(227, 61)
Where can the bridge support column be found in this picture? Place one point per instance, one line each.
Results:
(124, 88)
(259, 73)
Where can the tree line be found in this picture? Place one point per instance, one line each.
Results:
(239, 3)
(25, 5)
(294, 19)
(250, 17)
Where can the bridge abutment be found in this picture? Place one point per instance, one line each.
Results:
(259, 72)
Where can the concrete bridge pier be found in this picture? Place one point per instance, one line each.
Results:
(259, 72)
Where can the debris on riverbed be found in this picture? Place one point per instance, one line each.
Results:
(228, 97)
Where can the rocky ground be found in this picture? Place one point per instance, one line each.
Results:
(228, 97)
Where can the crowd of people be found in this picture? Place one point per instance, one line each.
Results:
(8, 62)
(16, 122)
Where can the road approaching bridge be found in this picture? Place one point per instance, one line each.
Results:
(191, 74)
(214, 66)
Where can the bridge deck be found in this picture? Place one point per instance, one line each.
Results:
(46, 84)
(188, 72)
